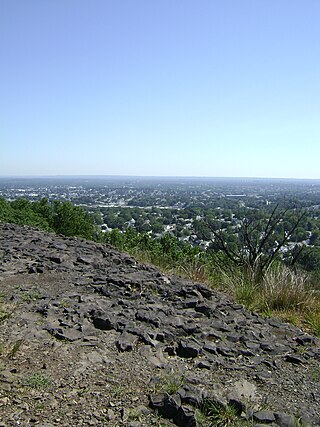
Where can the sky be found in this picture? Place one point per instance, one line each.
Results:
(221, 88)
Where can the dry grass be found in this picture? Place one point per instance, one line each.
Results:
(312, 318)
(282, 293)
(284, 289)
(194, 270)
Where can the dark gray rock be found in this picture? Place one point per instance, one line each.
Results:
(104, 323)
(203, 365)
(188, 349)
(148, 317)
(170, 407)
(210, 348)
(266, 417)
(305, 339)
(284, 420)
(186, 417)
(191, 395)
(295, 359)
(157, 401)
(116, 296)
(225, 350)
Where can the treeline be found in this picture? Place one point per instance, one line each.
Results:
(60, 217)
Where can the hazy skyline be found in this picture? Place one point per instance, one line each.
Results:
(160, 88)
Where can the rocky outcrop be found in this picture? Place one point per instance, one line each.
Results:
(97, 310)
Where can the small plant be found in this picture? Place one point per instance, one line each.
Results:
(213, 413)
(134, 414)
(202, 419)
(31, 295)
(117, 391)
(246, 293)
(170, 383)
(290, 316)
(39, 407)
(38, 381)
(157, 421)
(194, 270)
(299, 423)
(244, 290)
(283, 289)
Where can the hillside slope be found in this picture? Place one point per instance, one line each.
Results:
(90, 337)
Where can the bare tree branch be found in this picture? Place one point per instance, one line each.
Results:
(257, 247)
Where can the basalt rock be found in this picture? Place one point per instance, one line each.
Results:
(96, 318)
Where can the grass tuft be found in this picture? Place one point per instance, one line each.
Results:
(283, 289)
(213, 413)
(194, 270)
(170, 383)
(38, 381)
(31, 295)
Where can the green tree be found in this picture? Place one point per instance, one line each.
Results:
(23, 212)
(6, 211)
(309, 259)
(71, 220)
(115, 238)
(315, 238)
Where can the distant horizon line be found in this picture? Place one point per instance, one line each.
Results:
(98, 176)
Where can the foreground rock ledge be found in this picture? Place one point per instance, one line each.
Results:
(90, 337)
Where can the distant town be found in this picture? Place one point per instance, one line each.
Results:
(181, 207)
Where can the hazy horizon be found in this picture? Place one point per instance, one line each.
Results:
(180, 89)
(154, 177)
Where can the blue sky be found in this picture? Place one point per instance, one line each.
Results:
(142, 87)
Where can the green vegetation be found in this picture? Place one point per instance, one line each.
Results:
(38, 381)
(210, 413)
(30, 295)
(315, 375)
(117, 391)
(214, 414)
(259, 240)
(257, 258)
(170, 383)
(60, 217)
